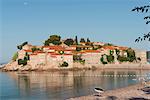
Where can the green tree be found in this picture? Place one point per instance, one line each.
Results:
(122, 58)
(111, 52)
(117, 52)
(22, 62)
(131, 54)
(110, 58)
(19, 47)
(23, 44)
(54, 39)
(15, 56)
(19, 61)
(27, 57)
(77, 57)
(69, 42)
(34, 49)
(102, 60)
(46, 43)
(108, 44)
(88, 40)
(76, 40)
(82, 40)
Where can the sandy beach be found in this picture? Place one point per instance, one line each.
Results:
(118, 94)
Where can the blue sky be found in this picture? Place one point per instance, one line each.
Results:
(100, 20)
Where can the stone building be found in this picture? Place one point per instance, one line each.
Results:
(142, 55)
(91, 57)
(22, 53)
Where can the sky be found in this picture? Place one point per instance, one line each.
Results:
(101, 20)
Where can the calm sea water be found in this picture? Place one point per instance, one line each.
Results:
(61, 85)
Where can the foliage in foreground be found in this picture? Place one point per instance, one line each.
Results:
(143, 9)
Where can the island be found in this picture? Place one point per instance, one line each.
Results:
(57, 54)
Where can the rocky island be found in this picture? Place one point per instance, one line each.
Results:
(71, 54)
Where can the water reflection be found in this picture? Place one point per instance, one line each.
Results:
(62, 84)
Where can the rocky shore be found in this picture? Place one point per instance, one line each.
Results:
(127, 93)
(13, 66)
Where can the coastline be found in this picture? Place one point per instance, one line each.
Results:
(124, 93)
(131, 66)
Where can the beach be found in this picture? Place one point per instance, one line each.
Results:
(125, 93)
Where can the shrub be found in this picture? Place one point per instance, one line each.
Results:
(117, 52)
(15, 56)
(19, 61)
(122, 59)
(110, 58)
(69, 42)
(27, 57)
(34, 49)
(111, 52)
(64, 64)
(22, 61)
(54, 39)
(20, 46)
(78, 58)
(131, 55)
(102, 60)
(82, 61)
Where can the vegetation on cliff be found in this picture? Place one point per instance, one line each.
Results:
(15, 56)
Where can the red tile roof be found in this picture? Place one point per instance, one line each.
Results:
(33, 54)
(28, 50)
(73, 46)
(39, 51)
(123, 48)
(92, 51)
(54, 47)
(69, 50)
(110, 47)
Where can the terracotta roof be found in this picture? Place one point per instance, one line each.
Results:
(28, 50)
(73, 46)
(84, 46)
(92, 51)
(123, 48)
(39, 51)
(110, 47)
(54, 47)
(33, 54)
(69, 50)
